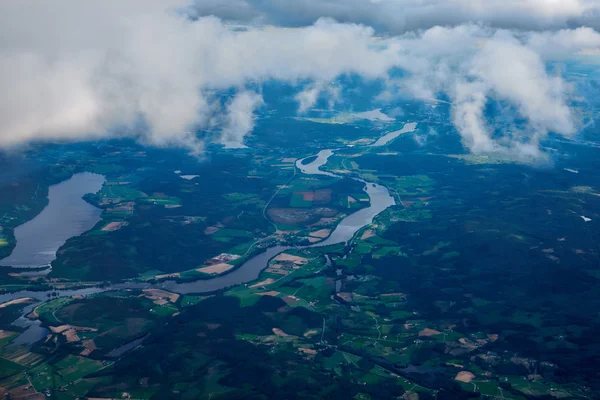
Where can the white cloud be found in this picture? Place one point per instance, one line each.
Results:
(559, 43)
(398, 16)
(307, 98)
(475, 65)
(93, 68)
(240, 118)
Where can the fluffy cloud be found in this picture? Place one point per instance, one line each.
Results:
(143, 68)
(308, 98)
(93, 69)
(398, 16)
(240, 118)
(475, 66)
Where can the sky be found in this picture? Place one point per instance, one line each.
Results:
(72, 70)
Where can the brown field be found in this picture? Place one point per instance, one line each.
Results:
(410, 396)
(125, 207)
(429, 332)
(212, 229)
(27, 275)
(492, 336)
(21, 358)
(90, 346)
(299, 215)
(289, 300)
(4, 334)
(288, 160)
(322, 196)
(346, 296)
(465, 376)
(215, 269)
(323, 221)
(307, 196)
(307, 351)
(310, 333)
(114, 226)
(279, 332)
(288, 257)
(173, 275)
(64, 328)
(277, 271)
(71, 335)
(263, 283)
(59, 329)
(321, 234)
(158, 294)
(341, 171)
(280, 232)
(21, 392)
(397, 294)
(313, 239)
(290, 215)
(16, 301)
(467, 344)
(271, 293)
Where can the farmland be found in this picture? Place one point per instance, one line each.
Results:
(459, 290)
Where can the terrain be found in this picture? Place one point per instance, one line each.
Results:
(481, 281)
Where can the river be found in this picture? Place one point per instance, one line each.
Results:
(314, 167)
(379, 196)
(66, 215)
(380, 199)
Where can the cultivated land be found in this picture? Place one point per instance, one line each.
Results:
(481, 281)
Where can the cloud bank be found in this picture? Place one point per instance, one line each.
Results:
(399, 16)
(475, 66)
(145, 69)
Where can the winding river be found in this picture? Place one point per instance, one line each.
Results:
(379, 196)
(380, 199)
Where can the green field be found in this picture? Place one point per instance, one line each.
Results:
(297, 201)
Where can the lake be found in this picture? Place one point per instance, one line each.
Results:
(66, 215)
(382, 141)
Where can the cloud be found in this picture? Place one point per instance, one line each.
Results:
(240, 118)
(94, 69)
(506, 69)
(399, 16)
(142, 68)
(476, 66)
(308, 97)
